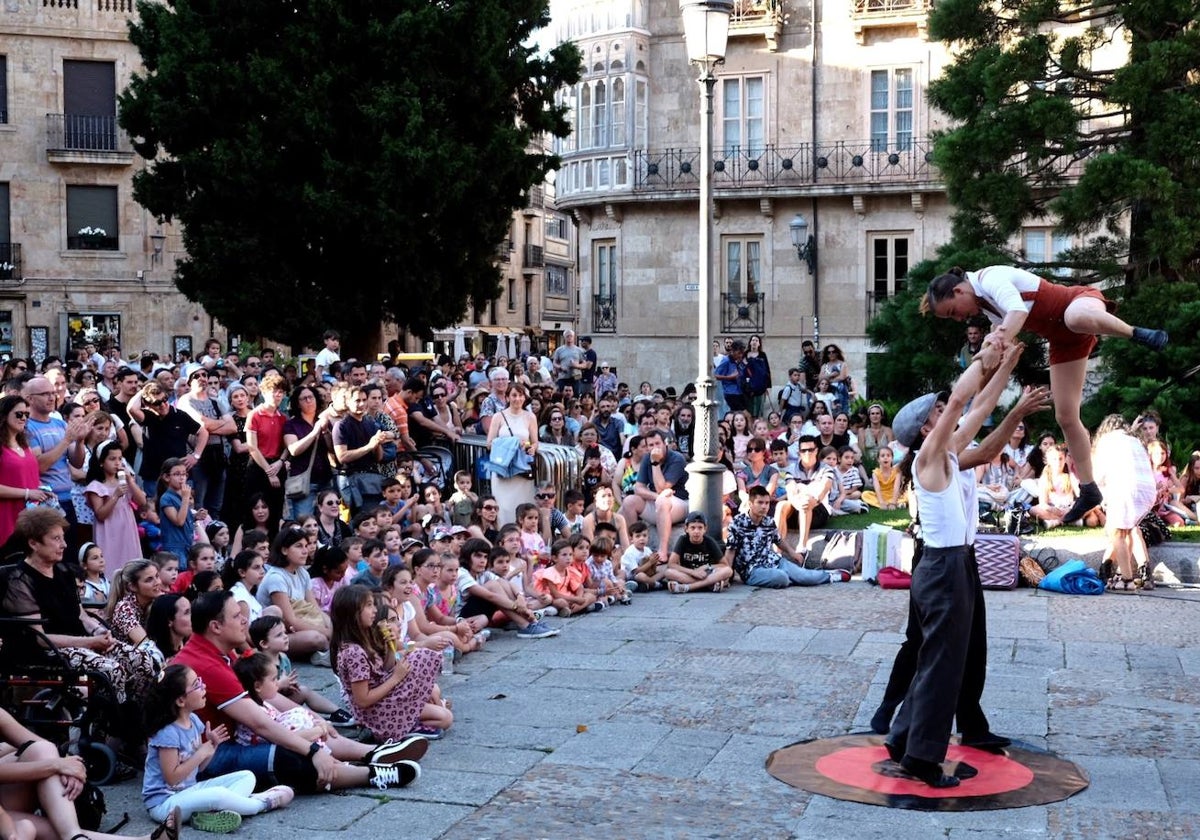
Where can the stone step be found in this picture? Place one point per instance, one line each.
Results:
(1173, 562)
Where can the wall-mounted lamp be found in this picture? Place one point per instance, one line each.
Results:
(157, 241)
(806, 244)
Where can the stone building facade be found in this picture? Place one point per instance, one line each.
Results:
(80, 260)
(820, 110)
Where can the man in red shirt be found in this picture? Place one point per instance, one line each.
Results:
(283, 756)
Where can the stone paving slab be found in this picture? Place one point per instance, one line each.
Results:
(682, 698)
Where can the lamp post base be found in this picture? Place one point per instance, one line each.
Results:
(705, 487)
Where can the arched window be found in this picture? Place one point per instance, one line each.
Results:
(600, 116)
(618, 111)
(584, 123)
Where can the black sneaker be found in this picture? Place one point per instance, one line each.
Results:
(342, 719)
(400, 774)
(409, 748)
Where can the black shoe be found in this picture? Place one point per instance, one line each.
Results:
(881, 721)
(342, 719)
(1154, 339)
(1089, 497)
(988, 742)
(895, 751)
(965, 771)
(929, 772)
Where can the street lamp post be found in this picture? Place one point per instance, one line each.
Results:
(806, 250)
(705, 32)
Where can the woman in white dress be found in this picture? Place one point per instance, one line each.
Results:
(514, 421)
(1126, 478)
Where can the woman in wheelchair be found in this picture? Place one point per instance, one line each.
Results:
(41, 589)
(33, 777)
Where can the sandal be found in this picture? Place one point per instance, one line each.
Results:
(168, 828)
(1145, 578)
(1120, 584)
(679, 588)
(721, 586)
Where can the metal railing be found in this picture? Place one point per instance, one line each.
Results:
(557, 465)
(10, 261)
(535, 199)
(737, 167)
(741, 313)
(535, 256)
(888, 8)
(504, 250)
(604, 313)
(86, 133)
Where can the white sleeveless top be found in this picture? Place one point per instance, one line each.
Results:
(944, 522)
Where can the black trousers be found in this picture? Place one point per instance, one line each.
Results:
(943, 594)
(970, 718)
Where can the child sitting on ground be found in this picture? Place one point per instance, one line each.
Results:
(180, 747)
(398, 588)
(328, 573)
(643, 567)
(376, 563)
(886, 492)
(564, 589)
(268, 636)
(259, 678)
(574, 504)
(611, 588)
(390, 689)
(849, 484)
(533, 547)
(499, 568)
(581, 550)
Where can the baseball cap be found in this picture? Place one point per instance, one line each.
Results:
(695, 516)
(441, 533)
(410, 542)
(909, 420)
(455, 530)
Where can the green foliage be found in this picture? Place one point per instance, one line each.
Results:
(1137, 379)
(340, 164)
(1051, 126)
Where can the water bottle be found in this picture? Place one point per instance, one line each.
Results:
(448, 660)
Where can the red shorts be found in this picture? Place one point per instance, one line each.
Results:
(1046, 318)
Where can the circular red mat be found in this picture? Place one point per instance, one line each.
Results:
(856, 768)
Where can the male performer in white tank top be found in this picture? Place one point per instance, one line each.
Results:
(944, 584)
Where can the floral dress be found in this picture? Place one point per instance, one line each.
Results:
(399, 713)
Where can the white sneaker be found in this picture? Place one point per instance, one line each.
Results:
(321, 658)
(549, 611)
(839, 576)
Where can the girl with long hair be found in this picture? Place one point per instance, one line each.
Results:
(391, 690)
(19, 472)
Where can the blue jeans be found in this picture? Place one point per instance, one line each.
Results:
(786, 573)
(230, 757)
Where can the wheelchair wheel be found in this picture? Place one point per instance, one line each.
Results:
(101, 762)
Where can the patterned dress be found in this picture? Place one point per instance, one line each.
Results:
(399, 713)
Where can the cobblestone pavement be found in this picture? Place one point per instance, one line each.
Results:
(655, 720)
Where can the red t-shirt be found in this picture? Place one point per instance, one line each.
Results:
(269, 428)
(221, 684)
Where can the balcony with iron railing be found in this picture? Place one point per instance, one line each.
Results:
(761, 18)
(535, 256)
(10, 261)
(742, 313)
(108, 16)
(884, 14)
(504, 251)
(80, 138)
(604, 313)
(535, 200)
(836, 165)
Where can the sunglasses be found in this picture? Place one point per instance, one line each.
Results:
(21, 415)
(808, 449)
(544, 495)
(755, 449)
(152, 403)
(491, 507)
